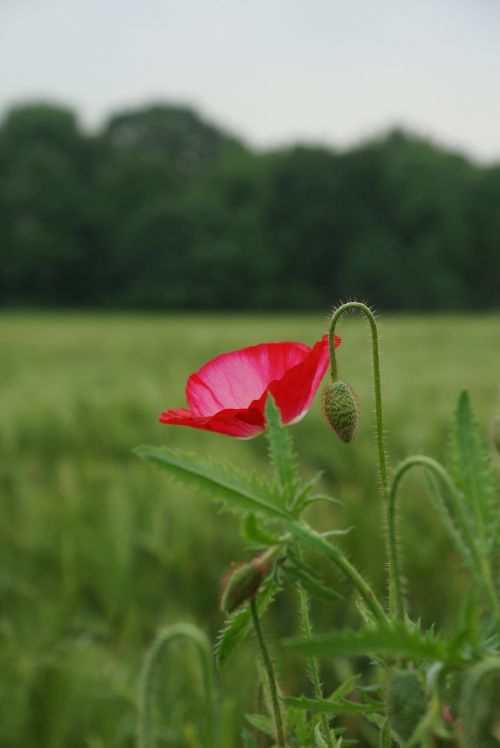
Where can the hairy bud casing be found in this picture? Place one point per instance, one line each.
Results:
(406, 702)
(341, 410)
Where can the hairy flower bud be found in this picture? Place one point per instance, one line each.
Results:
(406, 702)
(242, 583)
(340, 407)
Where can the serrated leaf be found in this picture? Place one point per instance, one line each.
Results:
(239, 624)
(316, 587)
(261, 722)
(332, 707)
(441, 508)
(257, 535)
(471, 469)
(238, 491)
(385, 638)
(281, 451)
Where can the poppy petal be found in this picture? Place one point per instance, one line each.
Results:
(241, 423)
(234, 380)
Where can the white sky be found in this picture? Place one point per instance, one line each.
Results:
(272, 71)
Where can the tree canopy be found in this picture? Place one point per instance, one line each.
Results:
(163, 210)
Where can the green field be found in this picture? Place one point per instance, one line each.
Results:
(98, 550)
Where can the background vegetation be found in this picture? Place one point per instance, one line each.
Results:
(161, 209)
(97, 550)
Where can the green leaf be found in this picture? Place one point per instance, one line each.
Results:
(261, 722)
(386, 638)
(307, 578)
(239, 624)
(441, 508)
(281, 452)
(239, 491)
(472, 470)
(257, 535)
(333, 707)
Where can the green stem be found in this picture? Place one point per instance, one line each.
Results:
(480, 562)
(313, 662)
(146, 731)
(280, 732)
(301, 531)
(356, 305)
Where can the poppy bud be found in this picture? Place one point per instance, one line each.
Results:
(340, 407)
(495, 433)
(242, 583)
(406, 702)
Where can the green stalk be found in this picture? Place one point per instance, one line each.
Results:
(278, 719)
(313, 668)
(382, 459)
(152, 660)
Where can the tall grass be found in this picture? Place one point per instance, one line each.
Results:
(97, 551)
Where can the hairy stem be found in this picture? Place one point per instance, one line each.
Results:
(301, 531)
(147, 691)
(480, 562)
(278, 719)
(313, 668)
(382, 458)
(358, 306)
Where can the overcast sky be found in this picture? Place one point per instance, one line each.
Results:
(273, 71)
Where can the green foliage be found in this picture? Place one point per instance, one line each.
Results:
(162, 209)
(386, 639)
(473, 475)
(106, 551)
(239, 624)
(281, 452)
(239, 491)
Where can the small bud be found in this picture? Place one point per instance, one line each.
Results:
(495, 433)
(242, 583)
(406, 702)
(340, 407)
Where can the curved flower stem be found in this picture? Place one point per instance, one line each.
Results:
(280, 731)
(480, 562)
(146, 736)
(382, 459)
(358, 306)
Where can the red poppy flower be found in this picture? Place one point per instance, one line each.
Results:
(228, 394)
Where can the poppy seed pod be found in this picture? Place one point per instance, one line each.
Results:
(242, 583)
(406, 702)
(340, 407)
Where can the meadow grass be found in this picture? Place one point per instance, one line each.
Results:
(98, 550)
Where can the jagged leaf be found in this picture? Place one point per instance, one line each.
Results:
(441, 508)
(281, 451)
(239, 491)
(239, 624)
(385, 638)
(257, 535)
(300, 572)
(472, 470)
(333, 707)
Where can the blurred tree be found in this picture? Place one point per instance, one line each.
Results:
(44, 194)
(164, 210)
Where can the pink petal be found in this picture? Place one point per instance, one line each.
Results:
(234, 380)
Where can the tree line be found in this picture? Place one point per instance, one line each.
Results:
(163, 210)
